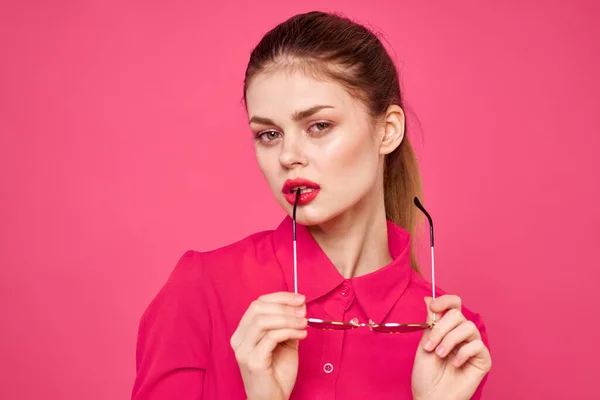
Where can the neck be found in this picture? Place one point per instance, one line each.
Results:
(356, 241)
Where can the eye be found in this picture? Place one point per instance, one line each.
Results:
(319, 127)
(267, 136)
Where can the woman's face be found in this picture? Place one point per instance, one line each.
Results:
(313, 134)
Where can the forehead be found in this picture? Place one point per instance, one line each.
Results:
(280, 93)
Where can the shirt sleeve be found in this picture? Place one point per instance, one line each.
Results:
(484, 337)
(173, 337)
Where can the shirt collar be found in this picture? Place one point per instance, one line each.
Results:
(376, 292)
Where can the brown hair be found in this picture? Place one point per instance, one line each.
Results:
(334, 47)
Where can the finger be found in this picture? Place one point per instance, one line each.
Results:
(429, 319)
(465, 332)
(474, 352)
(445, 302)
(263, 324)
(448, 322)
(289, 298)
(431, 316)
(429, 312)
(259, 307)
(261, 356)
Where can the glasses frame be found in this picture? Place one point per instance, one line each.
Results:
(390, 327)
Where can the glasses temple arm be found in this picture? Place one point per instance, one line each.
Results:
(294, 238)
(431, 241)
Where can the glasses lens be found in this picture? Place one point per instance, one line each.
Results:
(329, 325)
(399, 328)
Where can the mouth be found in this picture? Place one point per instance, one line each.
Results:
(291, 186)
(308, 190)
(302, 189)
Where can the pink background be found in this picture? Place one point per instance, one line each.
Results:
(123, 144)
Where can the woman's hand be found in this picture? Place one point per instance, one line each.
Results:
(266, 345)
(451, 359)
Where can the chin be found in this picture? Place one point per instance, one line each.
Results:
(309, 220)
(308, 215)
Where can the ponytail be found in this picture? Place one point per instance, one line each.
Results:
(401, 183)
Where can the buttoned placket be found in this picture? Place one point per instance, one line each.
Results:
(335, 307)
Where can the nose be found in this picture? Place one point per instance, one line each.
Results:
(292, 152)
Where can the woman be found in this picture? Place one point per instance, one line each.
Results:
(324, 106)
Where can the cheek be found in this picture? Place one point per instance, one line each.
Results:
(267, 163)
(351, 157)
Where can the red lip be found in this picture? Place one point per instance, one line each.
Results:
(305, 198)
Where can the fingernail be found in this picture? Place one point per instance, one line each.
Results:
(429, 346)
(440, 350)
(456, 362)
(300, 311)
(300, 297)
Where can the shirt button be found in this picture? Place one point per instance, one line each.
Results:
(345, 290)
(328, 368)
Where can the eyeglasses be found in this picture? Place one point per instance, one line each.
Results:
(391, 327)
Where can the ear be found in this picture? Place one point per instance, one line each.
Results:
(393, 129)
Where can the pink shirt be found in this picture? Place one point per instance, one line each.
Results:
(183, 349)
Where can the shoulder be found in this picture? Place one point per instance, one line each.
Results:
(194, 261)
(194, 267)
(247, 259)
(246, 265)
(196, 273)
(239, 249)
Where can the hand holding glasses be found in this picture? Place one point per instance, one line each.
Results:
(390, 327)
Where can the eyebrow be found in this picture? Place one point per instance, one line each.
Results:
(297, 116)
